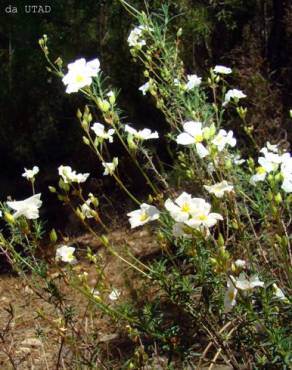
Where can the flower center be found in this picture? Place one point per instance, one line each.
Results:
(186, 208)
(198, 138)
(261, 170)
(143, 217)
(202, 217)
(79, 78)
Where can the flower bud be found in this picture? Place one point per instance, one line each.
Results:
(103, 105)
(9, 218)
(104, 240)
(52, 189)
(220, 240)
(85, 140)
(79, 114)
(53, 236)
(278, 198)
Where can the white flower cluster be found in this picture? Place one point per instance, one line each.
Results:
(80, 74)
(272, 162)
(187, 212)
(195, 134)
(191, 213)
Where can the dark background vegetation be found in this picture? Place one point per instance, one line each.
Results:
(37, 119)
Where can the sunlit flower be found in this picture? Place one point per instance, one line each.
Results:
(230, 296)
(193, 81)
(141, 216)
(193, 134)
(86, 210)
(222, 70)
(279, 293)
(201, 217)
(144, 88)
(135, 37)
(224, 138)
(268, 163)
(219, 189)
(110, 167)
(68, 175)
(243, 282)
(260, 175)
(28, 208)
(145, 134)
(233, 94)
(240, 263)
(100, 132)
(30, 174)
(66, 254)
(114, 295)
(181, 209)
(80, 74)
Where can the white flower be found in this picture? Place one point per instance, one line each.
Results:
(193, 134)
(260, 175)
(114, 295)
(219, 189)
(287, 184)
(272, 147)
(144, 88)
(193, 81)
(65, 253)
(86, 210)
(179, 229)
(141, 216)
(144, 134)
(176, 82)
(279, 293)
(68, 175)
(28, 208)
(181, 209)
(248, 283)
(95, 293)
(135, 37)
(230, 296)
(80, 74)
(30, 174)
(201, 216)
(233, 94)
(269, 163)
(100, 132)
(237, 159)
(286, 171)
(110, 167)
(223, 138)
(222, 70)
(240, 263)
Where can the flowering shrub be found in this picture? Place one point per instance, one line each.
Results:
(223, 278)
